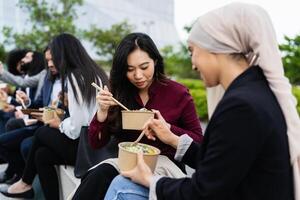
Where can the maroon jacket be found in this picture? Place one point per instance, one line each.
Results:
(176, 106)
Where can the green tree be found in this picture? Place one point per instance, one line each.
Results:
(291, 58)
(107, 40)
(47, 20)
(178, 62)
(2, 53)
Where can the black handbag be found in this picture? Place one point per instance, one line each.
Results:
(88, 157)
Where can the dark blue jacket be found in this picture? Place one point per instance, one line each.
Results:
(44, 98)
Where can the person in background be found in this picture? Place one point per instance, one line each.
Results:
(138, 81)
(31, 70)
(56, 143)
(252, 144)
(14, 148)
(13, 63)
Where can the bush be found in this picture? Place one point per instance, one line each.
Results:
(296, 92)
(198, 92)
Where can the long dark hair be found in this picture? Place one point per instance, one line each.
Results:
(70, 58)
(121, 88)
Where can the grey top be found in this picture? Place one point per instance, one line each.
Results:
(23, 82)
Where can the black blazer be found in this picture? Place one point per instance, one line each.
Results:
(245, 151)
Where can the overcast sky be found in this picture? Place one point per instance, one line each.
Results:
(285, 14)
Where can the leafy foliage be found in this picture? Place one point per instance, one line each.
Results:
(291, 59)
(2, 53)
(106, 41)
(47, 19)
(198, 92)
(178, 62)
(296, 92)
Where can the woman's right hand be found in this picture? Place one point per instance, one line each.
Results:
(160, 129)
(3, 95)
(104, 101)
(21, 95)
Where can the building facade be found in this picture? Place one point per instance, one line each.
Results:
(154, 17)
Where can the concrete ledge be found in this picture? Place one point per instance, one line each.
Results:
(67, 181)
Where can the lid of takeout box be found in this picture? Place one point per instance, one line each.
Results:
(137, 111)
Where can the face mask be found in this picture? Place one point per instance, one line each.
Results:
(25, 67)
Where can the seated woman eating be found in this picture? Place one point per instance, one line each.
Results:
(138, 81)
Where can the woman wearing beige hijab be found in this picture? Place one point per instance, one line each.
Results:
(251, 147)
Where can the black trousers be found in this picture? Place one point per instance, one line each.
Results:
(50, 147)
(10, 151)
(13, 124)
(95, 184)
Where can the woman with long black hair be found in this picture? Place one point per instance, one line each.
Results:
(138, 81)
(56, 143)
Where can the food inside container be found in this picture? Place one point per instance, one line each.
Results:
(139, 147)
(127, 157)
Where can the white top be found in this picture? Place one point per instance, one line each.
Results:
(55, 90)
(80, 113)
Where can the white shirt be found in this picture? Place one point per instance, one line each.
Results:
(80, 113)
(56, 88)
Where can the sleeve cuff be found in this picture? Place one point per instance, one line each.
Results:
(183, 144)
(152, 189)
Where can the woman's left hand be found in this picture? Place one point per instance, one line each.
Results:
(55, 122)
(141, 174)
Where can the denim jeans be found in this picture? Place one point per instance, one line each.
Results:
(122, 188)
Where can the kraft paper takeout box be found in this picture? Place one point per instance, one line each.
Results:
(135, 119)
(49, 112)
(127, 160)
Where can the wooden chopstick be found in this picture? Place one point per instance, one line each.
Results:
(139, 138)
(115, 100)
(21, 101)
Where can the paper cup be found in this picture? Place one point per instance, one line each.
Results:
(135, 119)
(48, 114)
(127, 159)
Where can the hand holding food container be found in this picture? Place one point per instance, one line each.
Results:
(52, 116)
(127, 158)
(132, 120)
(141, 174)
(50, 113)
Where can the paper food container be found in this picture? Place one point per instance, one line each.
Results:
(135, 119)
(49, 112)
(127, 158)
